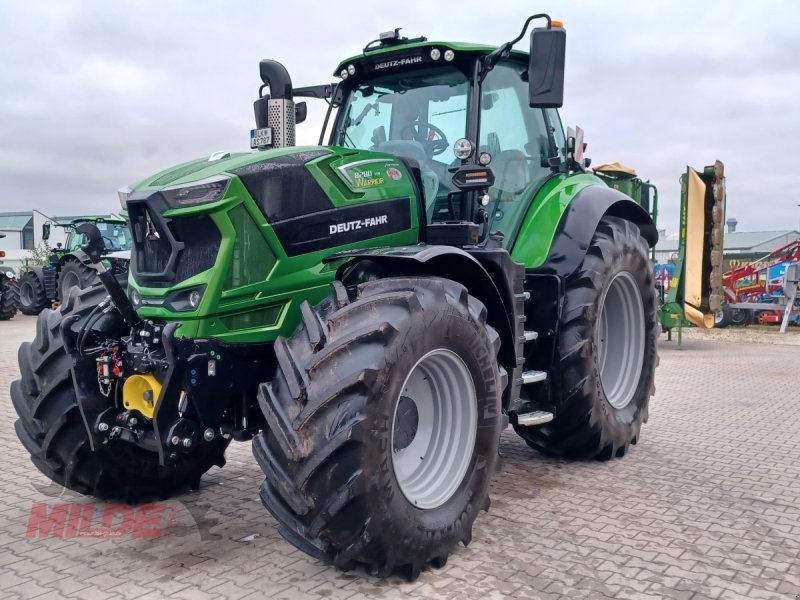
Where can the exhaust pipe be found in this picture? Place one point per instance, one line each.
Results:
(276, 110)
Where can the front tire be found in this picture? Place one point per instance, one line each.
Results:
(51, 428)
(9, 297)
(384, 421)
(32, 296)
(607, 349)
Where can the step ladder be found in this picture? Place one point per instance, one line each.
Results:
(537, 417)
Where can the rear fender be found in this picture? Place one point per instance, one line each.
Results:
(482, 278)
(579, 223)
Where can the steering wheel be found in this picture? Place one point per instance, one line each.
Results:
(111, 244)
(426, 134)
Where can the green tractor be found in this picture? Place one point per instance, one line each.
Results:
(371, 313)
(42, 286)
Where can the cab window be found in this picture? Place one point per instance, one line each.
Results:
(515, 136)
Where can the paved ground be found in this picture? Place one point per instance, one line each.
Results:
(707, 505)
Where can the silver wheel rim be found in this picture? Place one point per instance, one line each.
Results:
(621, 339)
(432, 452)
(70, 279)
(26, 294)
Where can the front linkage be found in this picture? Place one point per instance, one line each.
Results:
(214, 383)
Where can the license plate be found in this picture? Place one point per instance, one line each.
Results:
(260, 137)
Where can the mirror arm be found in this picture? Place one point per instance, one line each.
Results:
(490, 60)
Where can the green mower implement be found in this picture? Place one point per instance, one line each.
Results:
(695, 295)
(371, 312)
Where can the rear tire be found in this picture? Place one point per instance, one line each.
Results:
(51, 428)
(346, 404)
(9, 297)
(74, 273)
(32, 296)
(607, 350)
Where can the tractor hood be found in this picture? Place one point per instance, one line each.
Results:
(218, 163)
(225, 242)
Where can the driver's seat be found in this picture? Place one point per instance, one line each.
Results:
(413, 150)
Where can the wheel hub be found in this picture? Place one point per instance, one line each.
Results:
(433, 429)
(70, 280)
(26, 294)
(620, 339)
(405, 423)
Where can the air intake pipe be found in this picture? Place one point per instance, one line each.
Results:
(276, 111)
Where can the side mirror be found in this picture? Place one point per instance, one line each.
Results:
(94, 247)
(300, 112)
(546, 67)
(45, 231)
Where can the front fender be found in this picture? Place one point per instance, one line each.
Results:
(460, 266)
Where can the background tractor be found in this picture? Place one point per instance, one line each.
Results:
(9, 291)
(372, 313)
(68, 266)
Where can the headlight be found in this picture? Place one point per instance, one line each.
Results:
(181, 301)
(200, 192)
(185, 300)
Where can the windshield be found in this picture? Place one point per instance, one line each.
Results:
(116, 236)
(415, 115)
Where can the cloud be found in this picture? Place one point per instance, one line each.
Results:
(96, 95)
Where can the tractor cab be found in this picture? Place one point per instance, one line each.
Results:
(422, 112)
(115, 234)
(448, 109)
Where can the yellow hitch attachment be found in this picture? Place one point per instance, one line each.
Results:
(140, 392)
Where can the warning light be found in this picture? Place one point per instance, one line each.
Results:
(557, 24)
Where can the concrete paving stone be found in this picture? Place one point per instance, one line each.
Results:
(707, 505)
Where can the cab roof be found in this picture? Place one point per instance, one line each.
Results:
(413, 48)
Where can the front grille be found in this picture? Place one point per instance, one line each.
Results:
(151, 245)
(201, 240)
(168, 251)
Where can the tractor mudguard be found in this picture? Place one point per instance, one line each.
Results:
(473, 271)
(579, 222)
(37, 270)
(78, 255)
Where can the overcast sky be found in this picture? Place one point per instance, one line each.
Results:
(96, 95)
